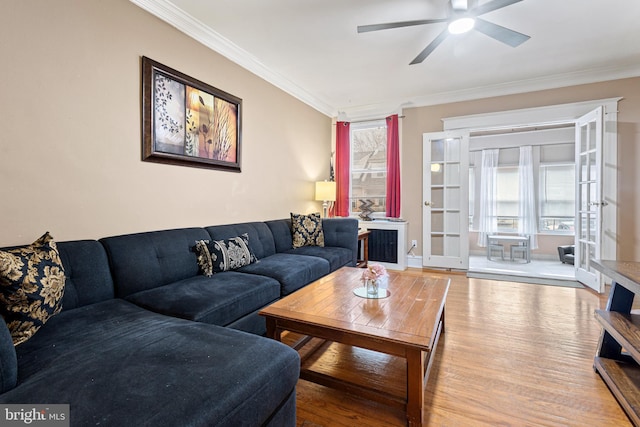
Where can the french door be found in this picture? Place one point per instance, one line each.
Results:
(589, 200)
(445, 186)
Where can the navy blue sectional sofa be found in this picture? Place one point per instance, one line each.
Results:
(145, 339)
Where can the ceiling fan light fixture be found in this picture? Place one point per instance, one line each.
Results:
(461, 25)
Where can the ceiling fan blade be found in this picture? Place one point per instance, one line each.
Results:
(389, 25)
(427, 50)
(493, 5)
(502, 34)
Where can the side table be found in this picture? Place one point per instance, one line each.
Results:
(363, 248)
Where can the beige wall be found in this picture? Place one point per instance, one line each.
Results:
(428, 119)
(70, 138)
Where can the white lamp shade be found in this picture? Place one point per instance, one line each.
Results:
(326, 191)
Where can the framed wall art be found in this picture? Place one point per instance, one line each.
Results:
(187, 122)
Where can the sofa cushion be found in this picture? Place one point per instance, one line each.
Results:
(292, 271)
(224, 255)
(260, 237)
(148, 260)
(337, 257)
(306, 230)
(117, 364)
(281, 231)
(220, 299)
(340, 245)
(342, 232)
(31, 287)
(8, 361)
(87, 274)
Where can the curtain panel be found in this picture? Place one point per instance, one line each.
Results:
(343, 166)
(527, 220)
(393, 167)
(488, 221)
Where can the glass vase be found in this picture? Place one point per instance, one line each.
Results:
(372, 287)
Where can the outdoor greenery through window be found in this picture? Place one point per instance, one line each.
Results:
(368, 166)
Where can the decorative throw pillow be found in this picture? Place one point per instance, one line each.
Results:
(306, 230)
(224, 255)
(31, 287)
(203, 256)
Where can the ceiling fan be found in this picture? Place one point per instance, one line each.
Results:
(462, 16)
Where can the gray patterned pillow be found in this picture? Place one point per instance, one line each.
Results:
(306, 230)
(224, 255)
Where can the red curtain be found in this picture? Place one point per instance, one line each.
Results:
(393, 167)
(343, 165)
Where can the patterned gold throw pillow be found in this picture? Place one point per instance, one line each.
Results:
(306, 230)
(31, 287)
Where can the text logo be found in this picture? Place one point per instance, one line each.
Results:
(34, 415)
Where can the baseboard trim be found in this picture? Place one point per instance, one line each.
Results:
(414, 261)
(525, 279)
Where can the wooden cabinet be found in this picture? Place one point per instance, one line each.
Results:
(618, 355)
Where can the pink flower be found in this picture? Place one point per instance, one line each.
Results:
(374, 272)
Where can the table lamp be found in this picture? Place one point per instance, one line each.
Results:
(325, 192)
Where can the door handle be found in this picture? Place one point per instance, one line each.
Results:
(427, 203)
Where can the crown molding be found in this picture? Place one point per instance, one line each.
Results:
(550, 114)
(176, 17)
(595, 75)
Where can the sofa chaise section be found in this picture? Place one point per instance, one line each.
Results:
(117, 363)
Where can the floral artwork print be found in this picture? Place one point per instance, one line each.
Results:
(192, 122)
(211, 132)
(169, 115)
(187, 122)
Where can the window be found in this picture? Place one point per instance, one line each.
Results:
(554, 177)
(369, 165)
(557, 198)
(507, 198)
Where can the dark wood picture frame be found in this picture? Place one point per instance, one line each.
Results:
(188, 122)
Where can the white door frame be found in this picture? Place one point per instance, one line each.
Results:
(449, 199)
(589, 202)
(561, 114)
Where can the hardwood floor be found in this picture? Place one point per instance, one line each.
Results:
(513, 354)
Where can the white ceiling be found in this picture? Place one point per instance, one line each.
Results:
(311, 48)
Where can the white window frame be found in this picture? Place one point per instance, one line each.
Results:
(539, 189)
(369, 124)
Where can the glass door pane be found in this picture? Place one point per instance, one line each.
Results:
(446, 169)
(589, 193)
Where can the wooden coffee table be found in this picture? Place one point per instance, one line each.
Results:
(406, 324)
